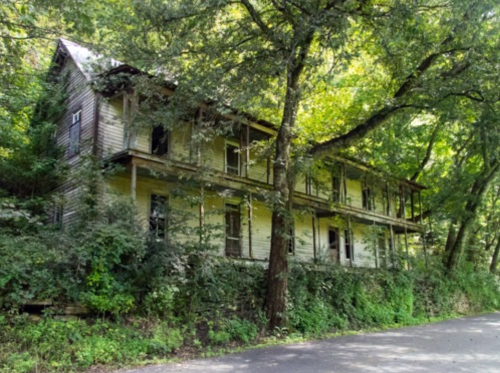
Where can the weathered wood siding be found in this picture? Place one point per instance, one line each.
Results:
(80, 97)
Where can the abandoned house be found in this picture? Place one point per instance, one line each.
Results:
(347, 212)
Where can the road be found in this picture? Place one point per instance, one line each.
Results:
(470, 344)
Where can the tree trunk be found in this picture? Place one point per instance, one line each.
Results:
(494, 258)
(476, 195)
(283, 185)
(277, 278)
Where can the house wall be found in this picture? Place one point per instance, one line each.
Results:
(119, 185)
(80, 97)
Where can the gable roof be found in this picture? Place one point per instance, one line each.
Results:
(85, 59)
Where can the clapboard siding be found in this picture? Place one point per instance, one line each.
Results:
(79, 97)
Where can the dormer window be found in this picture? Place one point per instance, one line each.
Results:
(160, 141)
(232, 159)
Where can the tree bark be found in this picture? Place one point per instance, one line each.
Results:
(494, 258)
(283, 185)
(479, 189)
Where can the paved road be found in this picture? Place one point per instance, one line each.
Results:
(469, 344)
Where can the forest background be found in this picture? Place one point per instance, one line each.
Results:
(410, 87)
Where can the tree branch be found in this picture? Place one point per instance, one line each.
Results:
(428, 153)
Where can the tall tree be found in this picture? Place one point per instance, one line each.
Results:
(276, 55)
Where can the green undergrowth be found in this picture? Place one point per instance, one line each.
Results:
(152, 300)
(323, 303)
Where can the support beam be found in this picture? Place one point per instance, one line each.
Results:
(412, 204)
(351, 241)
(388, 192)
(250, 213)
(247, 150)
(268, 170)
(314, 236)
(201, 212)
(133, 182)
(393, 247)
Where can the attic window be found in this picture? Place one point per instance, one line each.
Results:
(160, 141)
(74, 133)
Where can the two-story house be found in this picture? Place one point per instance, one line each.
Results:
(346, 212)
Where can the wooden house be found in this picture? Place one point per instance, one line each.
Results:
(346, 212)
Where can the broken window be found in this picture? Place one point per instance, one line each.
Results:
(158, 216)
(232, 159)
(368, 198)
(333, 244)
(74, 133)
(159, 141)
(233, 230)
(348, 245)
(382, 250)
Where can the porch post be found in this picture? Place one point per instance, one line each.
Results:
(133, 181)
(314, 235)
(247, 150)
(393, 247)
(249, 207)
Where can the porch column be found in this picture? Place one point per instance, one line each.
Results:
(315, 249)
(249, 208)
(133, 181)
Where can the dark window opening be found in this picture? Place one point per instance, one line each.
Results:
(382, 250)
(74, 133)
(57, 218)
(368, 198)
(347, 245)
(232, 159)
(159, 141)
(333, 244)
(158, 216)
(233, 230)
(336, 188)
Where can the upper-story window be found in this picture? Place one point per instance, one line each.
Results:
(232, 159)
(368, 198)
(160, 141)
(74, 133)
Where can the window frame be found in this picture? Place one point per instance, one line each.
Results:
(168, 142)
(238, 153)
(74, 146)
(234, 208)
(349, 254)
(165, 218)
(337, 242)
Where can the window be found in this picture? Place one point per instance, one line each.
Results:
(333, 244)
(382, 250)
(337, 172)
(74, 133)
(291, 241)
(368, 198)
(158, 216)
(159, 141)
(233, 230)
(57, 217)
(348, 245)
(336, 188)
(232, 159)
